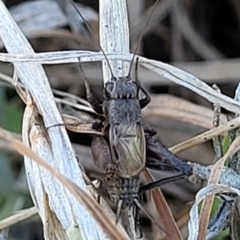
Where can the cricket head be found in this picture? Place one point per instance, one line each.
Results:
(123, 88)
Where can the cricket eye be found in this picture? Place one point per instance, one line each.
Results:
(108, 89)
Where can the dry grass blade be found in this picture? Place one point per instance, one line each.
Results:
(34, 79)
(73, 97)
(213, 179)
(18, 217)
(183, 219)
(206, 136)
(189, 81)
(75, 124)
(235, 219)
(75, 105)
(84, 105)
(165, 216)
(193, 225)
(103, 220)
(114, 36)
(180, 109)
(162, 69)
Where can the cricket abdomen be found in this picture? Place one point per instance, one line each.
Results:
(125, 189)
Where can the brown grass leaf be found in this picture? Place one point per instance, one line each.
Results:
(17, 217)
(179, 109)
(206, 136)
(85, 199)
(164, 213)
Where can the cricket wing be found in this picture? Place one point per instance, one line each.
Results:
(128, 148)
(101, 154)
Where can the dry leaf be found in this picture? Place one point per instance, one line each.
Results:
(164, 213)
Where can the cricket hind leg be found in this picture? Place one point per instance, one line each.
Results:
(146, 100)
(160, 158)
(152, 157)
(161, 182)
(102, 159)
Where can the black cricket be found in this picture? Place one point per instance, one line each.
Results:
(127, 146)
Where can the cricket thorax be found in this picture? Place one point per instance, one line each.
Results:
(122, 111)
(125, 189)
(121, 102)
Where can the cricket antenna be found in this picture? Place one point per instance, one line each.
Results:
(141, 36)
(91, 32)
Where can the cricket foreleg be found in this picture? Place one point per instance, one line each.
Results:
(146, 100)
(91, 99)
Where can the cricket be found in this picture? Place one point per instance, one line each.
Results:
(127, 146)
(130, 129)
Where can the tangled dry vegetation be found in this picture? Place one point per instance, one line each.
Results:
(192, 118)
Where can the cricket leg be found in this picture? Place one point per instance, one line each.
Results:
(91, 99)
(161, 182)
(102, 159)
(146, 100)
(160, 158)
(101, 155)
(149, 131)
